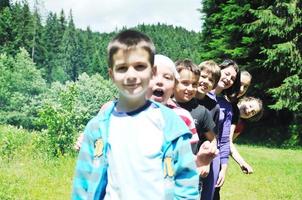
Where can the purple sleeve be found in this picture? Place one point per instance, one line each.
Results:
(224, 144)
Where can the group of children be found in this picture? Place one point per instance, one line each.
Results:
(169, 134)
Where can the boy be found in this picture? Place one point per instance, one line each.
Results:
(184, 94)
(135, 148)
(209, 77)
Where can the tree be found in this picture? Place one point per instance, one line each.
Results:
(222, 30)
(264, 37)
(20, 84)
(4, 4)
(70, 52)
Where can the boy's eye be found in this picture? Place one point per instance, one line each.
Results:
(121, 69)
(185, 83)
(140, 67)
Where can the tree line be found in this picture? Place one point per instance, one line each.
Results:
(264, 37)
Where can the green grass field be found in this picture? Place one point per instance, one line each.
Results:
(30, 176)
(277, 176)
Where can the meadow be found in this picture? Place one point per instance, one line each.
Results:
(28, 173)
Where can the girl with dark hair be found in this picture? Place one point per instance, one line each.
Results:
(226, 91)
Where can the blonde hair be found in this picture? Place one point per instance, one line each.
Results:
(161, 60)
(246, 73)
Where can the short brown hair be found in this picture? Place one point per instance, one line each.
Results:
(130, 39)
(211, 67)
(187, 64)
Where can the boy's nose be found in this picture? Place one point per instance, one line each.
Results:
(131, 72)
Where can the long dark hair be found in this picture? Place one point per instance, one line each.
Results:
(233, 91)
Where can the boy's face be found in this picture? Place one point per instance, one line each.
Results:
(131, 72)
(245, 83)
(206, 82)
(228, 77)
(248, 108)
(186, 86)
(161, 85)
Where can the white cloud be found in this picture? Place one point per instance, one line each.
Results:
(106, 15)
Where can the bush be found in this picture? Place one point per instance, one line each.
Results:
(17, 142)
(67, 109)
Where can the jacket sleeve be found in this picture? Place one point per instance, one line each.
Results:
(186, 177)
(83, 167)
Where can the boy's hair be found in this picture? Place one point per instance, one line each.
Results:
(233, 91)
(130, 39)
(246, 73)
(187, 64)
(211, 67)
(258, 115)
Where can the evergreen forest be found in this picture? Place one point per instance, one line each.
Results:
(53, 75)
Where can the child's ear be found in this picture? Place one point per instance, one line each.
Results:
(110, 73)
(154, 70)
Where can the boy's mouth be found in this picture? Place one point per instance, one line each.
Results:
(158, 93)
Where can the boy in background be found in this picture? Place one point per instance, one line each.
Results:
(184, 93)
(135, 148)
(209, 77)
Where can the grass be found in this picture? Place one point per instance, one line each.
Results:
(28, 175)
(277, 175)
(26, 179)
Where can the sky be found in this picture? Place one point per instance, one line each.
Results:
(108, 15)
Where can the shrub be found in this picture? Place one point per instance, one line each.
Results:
(67, 108)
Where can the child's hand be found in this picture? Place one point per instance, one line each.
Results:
(207, 152)
(204, 170)
(246, 168)
(78, 144)
(221, 178)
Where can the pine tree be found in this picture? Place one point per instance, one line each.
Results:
(279, 26)
(4, 4)
(70, 53)
(52, 36)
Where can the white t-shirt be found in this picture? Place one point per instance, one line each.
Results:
(135, 155)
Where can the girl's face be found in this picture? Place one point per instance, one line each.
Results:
(248, 109)
(186, 86)
(245, 83)
(228, 77)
